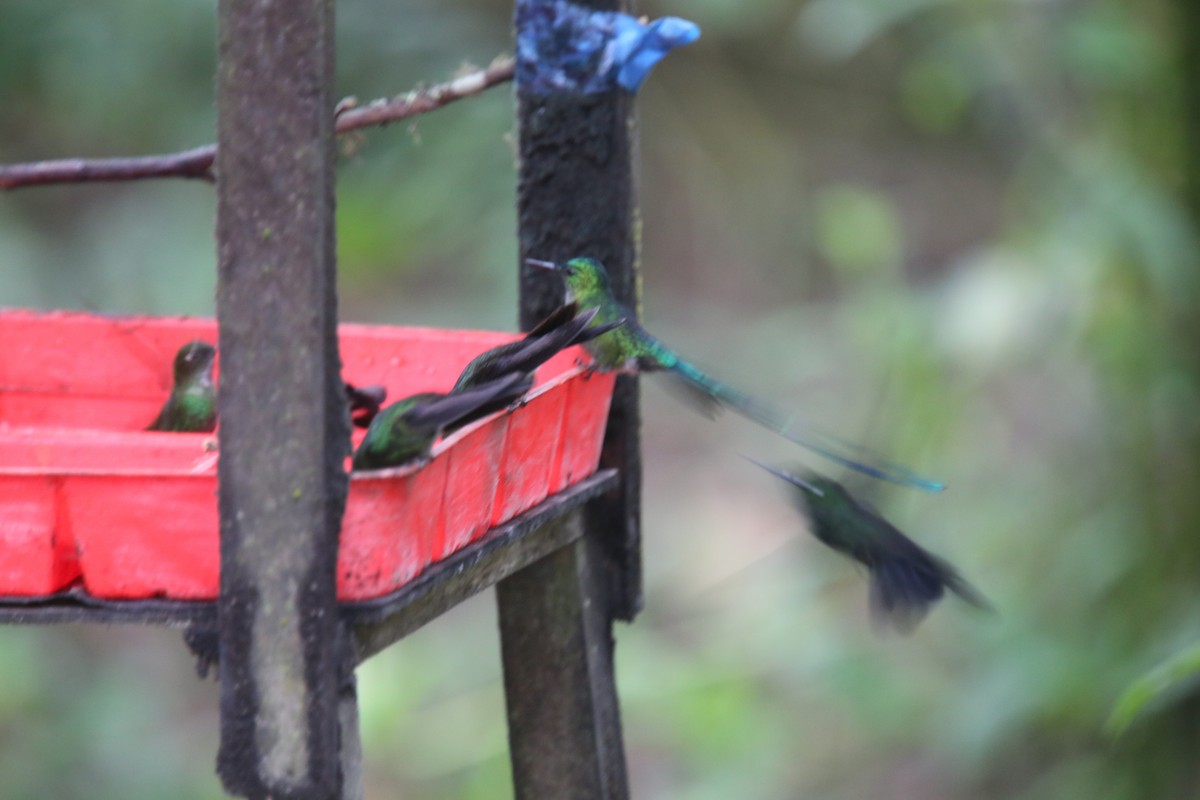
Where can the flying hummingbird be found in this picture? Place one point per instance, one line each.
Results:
(565, 326)
(905, 578)
(405, 431)
(631, 347)
(192, 404)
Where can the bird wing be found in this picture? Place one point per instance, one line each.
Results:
(163, 421)
(555, 319)
(902, 591)
(535, 349)
(454, 407)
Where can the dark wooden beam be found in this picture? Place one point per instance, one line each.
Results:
(575, 197)
(284, 433)
(564, 722)
(77, 607)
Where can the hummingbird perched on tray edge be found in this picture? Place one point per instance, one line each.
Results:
(405, 431)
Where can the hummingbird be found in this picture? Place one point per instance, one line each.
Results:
(192, 404)
(631, 348)
(565, 326)
(905, 578)
(365, 402)
(405, 431)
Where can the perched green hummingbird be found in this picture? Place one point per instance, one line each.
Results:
(405, 431)
(905, 578)
(365, 402)
(632, 348)
(192, 404)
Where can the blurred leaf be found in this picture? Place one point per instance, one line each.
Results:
(1169, 679)
(857, 230)
(935, 94)
(1111, 48)
(839, 29)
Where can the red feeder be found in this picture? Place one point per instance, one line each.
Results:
(86, 494)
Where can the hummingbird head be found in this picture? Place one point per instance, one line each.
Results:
(193, 359)
(821, 495)
(585, 277)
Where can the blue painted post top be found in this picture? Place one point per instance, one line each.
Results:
(565, 47)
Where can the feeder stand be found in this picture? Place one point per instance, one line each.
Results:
(564, 570)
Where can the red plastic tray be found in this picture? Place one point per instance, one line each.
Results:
(87, 495)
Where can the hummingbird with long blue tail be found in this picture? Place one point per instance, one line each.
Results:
(192, 405)
(631, 348)
(906, 580)
(404, 432)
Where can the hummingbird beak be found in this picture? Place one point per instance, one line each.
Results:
(787, 476)
(537, 262)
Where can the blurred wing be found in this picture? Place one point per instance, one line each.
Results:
(901, 593)
(904, 586)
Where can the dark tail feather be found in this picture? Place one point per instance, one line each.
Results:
(848, 455)
(523, 357)
(555, 319)
(460, 408)
(901, 593)
(537, 350)
(904, 589)
(587, 334)
(551, 336)
(957, 584)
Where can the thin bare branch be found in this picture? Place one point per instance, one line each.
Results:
(198, 162)
(422, 101)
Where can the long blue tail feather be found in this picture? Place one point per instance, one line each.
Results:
(841, 452)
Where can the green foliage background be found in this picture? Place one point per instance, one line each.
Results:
(963, 231)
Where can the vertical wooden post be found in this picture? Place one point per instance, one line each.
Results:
(283, 432)
(556, 638)
(575, 198)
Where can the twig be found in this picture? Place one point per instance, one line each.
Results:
(421, 101)
(195, 163)
(198, 162)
